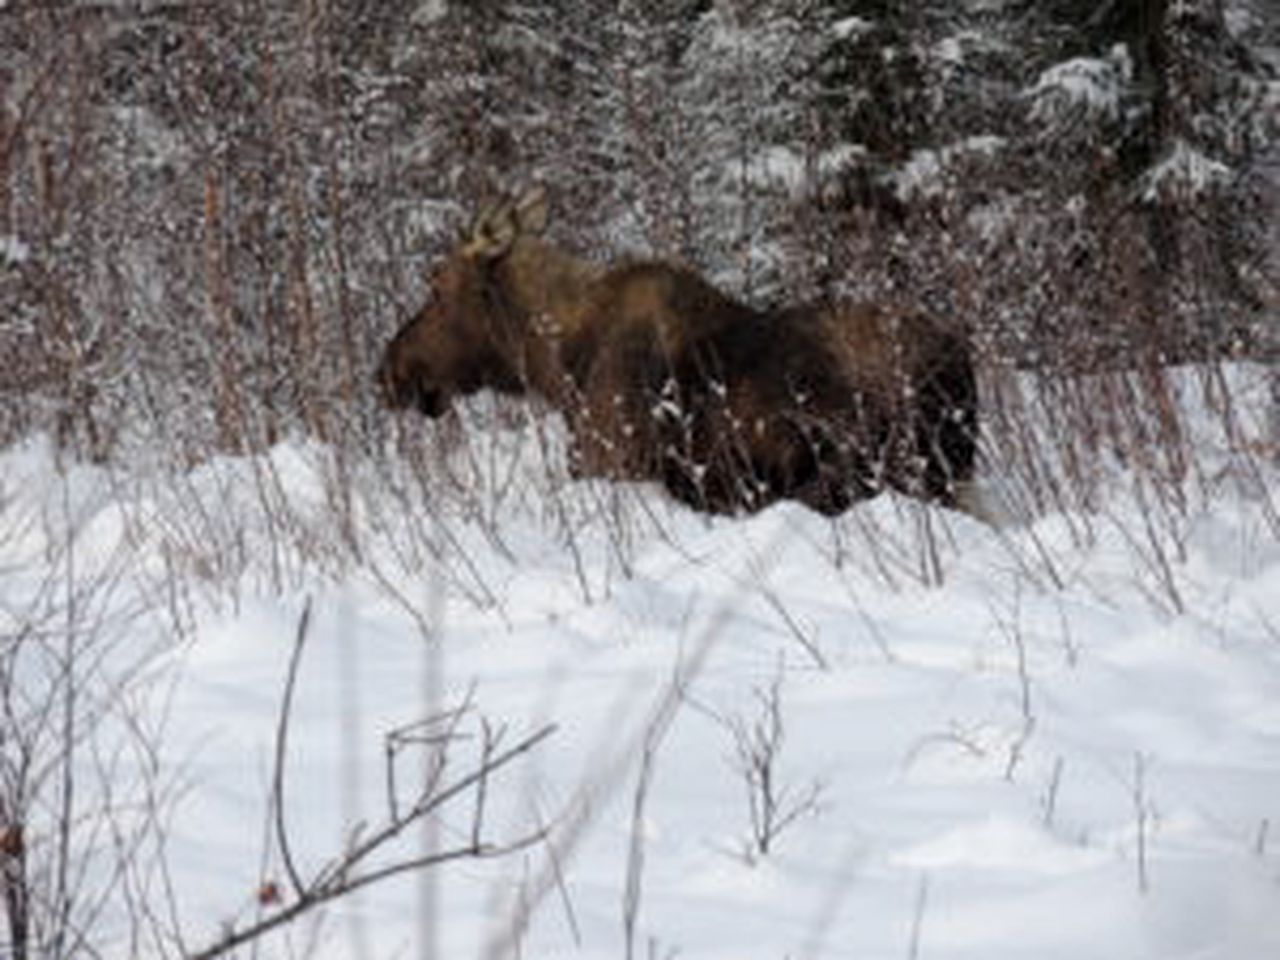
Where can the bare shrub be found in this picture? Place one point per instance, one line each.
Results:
(84, 796)
(376, 851)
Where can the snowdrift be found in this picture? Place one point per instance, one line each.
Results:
(907, 732)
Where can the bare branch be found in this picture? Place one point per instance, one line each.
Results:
(342, 876)
(282, 746)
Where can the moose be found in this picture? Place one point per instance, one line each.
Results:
(661, 376)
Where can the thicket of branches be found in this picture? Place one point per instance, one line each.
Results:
(213, 214)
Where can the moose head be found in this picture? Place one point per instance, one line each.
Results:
(493, 299)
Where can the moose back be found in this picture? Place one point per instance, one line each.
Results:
(660, 376)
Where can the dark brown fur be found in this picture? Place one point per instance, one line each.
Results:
(661, 376)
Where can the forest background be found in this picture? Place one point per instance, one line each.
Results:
(212, 215)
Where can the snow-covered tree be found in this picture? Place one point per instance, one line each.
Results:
(223, 208)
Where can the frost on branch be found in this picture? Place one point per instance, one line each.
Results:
(13, 252)
(1083, 88)
(1183, 173)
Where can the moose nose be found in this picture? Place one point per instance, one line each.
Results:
(430, 403)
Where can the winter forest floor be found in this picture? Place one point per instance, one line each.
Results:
(904, 733)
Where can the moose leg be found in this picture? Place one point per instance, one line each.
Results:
(837, 475)
(696, 468)
(703, 459)
(947, 434)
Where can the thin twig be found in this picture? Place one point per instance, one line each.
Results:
(317, 897)
(339, 879)
(917, 918)
(282, 745)
(1142, 813)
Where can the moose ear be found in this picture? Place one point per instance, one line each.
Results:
(493, 230)
(531, 210)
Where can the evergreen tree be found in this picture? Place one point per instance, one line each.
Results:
(1154, 119)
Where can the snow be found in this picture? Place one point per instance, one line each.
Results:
(146, 140)
(848, 27)
(13, 252)
(949, 51)
(775, 167)
(925, 173)
(785, 170)
(1092, 84)
(1183, 172)
(782, 169)
(1002, 767)
(429, 11)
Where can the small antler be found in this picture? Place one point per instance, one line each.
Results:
(531, 210)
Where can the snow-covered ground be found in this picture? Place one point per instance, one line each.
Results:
(1057, 737)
